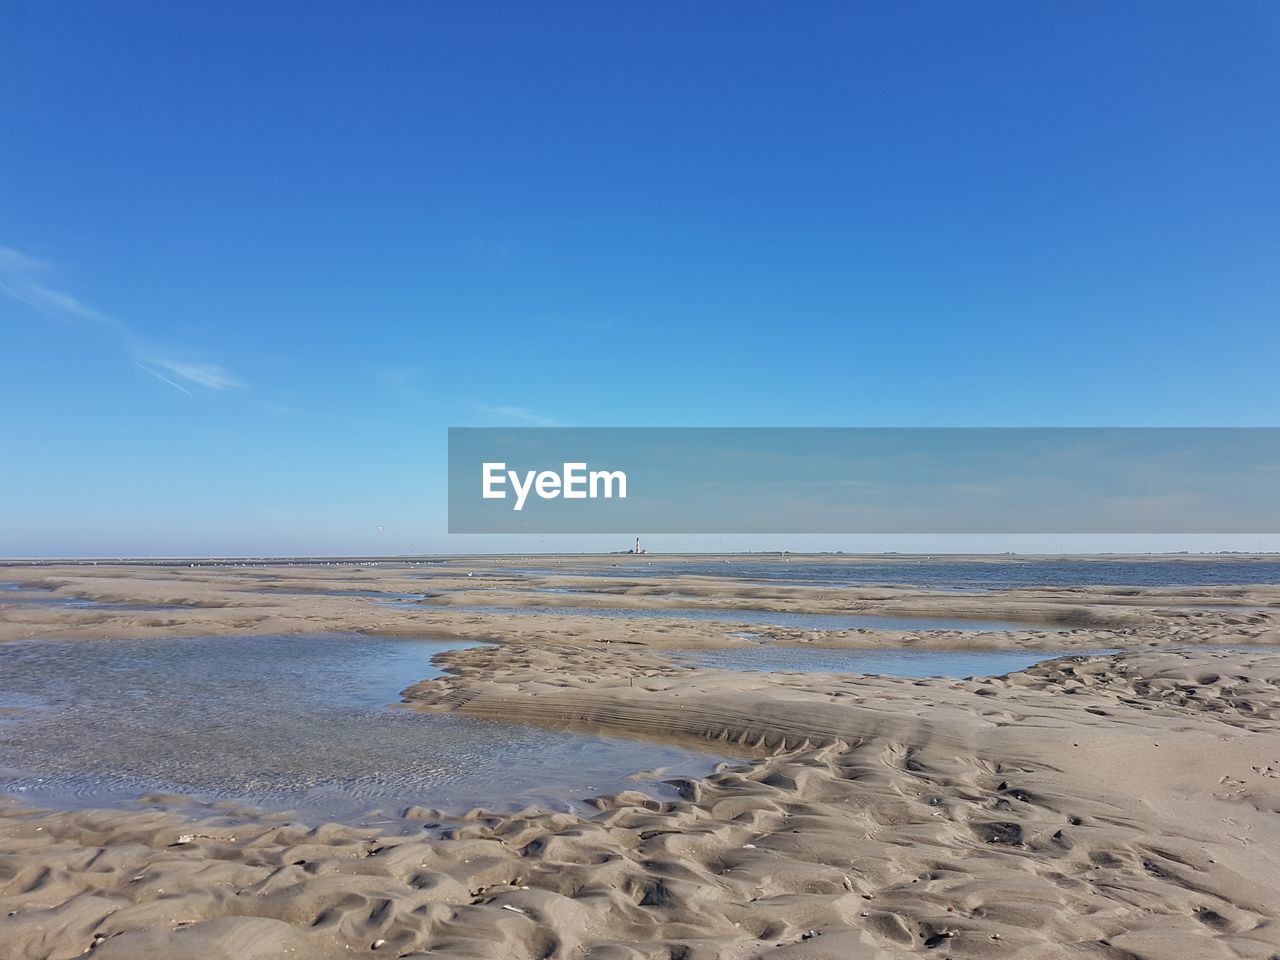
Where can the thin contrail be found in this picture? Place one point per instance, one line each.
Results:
(161, 376)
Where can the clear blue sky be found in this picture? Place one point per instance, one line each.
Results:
(257, 257)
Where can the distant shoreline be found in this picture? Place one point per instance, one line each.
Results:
(769, 555)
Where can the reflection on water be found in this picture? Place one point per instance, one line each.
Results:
(15, 594)
(949, 574)
(772, 618)
(283, 722)
(385, 595)
(898, 662)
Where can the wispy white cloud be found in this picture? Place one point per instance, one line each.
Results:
(21, 277)
(522, 414)
(162, 378)
(202, 374)
(24, 279)
(16, 261)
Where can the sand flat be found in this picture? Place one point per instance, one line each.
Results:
(1120, 806)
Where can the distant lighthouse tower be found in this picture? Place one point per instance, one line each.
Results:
(637, 546)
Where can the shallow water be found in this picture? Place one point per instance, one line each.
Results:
(387, 596)
(18, 595)
(896, 662)
(383, 595)
(283, 723)
(955, 575)
(772, 618)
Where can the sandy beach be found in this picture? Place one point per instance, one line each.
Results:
(573, 482)
(1113, 806)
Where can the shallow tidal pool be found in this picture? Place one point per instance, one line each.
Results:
(308, 724)
(770, 618)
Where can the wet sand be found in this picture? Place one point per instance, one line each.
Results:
(1117, 807)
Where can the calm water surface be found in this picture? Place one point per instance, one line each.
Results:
(772, 618)
(284, 723)
(955, 574)
(381, 596)
(18, 595)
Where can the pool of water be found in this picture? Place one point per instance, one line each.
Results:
(948, 574)
(15, 594)
(571, 591)
(771, 618)
(372, 594)
(290, 723)
(382, 595)
(896, 662)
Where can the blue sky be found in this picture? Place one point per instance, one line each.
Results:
(256, 258)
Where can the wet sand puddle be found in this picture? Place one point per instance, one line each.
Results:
(945, 574)
(16, 594)
(382, 596)
(286, 723)
(796, 621)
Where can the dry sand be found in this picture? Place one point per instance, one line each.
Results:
(1113, 807)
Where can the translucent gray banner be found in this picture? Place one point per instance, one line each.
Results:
(864, 480)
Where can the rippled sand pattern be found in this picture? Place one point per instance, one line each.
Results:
(1119, 807)
(900, 662)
